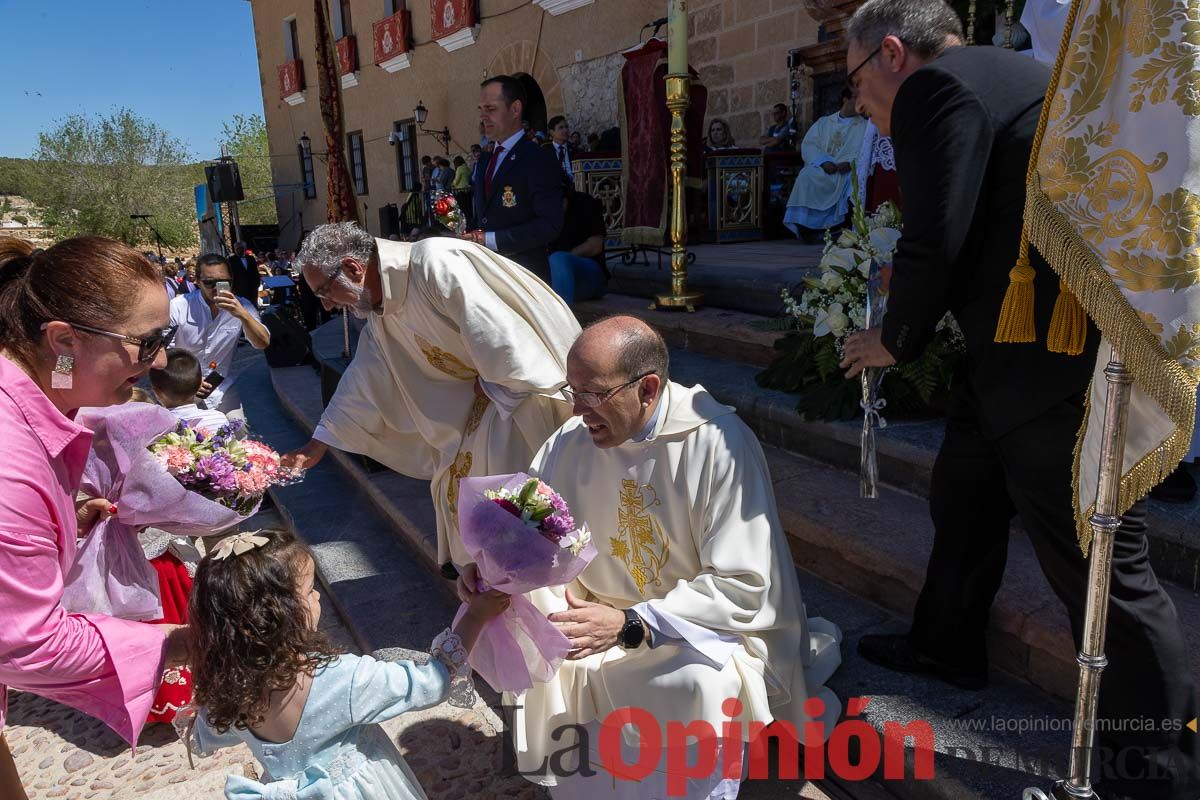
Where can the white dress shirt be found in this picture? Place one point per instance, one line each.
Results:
(210, 339)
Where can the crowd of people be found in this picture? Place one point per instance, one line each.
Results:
(471, 363)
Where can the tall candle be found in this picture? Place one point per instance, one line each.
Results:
(677, 17)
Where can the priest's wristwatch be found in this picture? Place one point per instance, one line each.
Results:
(633, 632)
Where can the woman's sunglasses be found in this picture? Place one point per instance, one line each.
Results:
(148, 346)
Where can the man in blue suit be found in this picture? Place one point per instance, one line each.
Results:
(517, 194)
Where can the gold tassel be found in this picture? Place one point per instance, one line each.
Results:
(1016, 314)
(1068, 325)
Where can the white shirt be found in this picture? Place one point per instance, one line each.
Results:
(209, 338)
(192, 414)
(489, 237)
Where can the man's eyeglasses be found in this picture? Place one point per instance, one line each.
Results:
(850, 78)
(597, 399)
(323, 292)
(212, 283)
(148, 346)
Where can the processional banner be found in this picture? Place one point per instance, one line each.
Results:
(1114, 205)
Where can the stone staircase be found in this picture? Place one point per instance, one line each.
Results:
(861, 562)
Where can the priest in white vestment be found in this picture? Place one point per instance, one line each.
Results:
(693, 597)
(458, 371)
(820, 197)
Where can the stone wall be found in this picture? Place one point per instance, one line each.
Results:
(589, 91)
(740, 48)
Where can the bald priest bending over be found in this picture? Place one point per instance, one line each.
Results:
(693, 598)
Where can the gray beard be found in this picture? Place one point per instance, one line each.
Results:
(361, 307)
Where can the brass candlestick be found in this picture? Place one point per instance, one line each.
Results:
(678, 100)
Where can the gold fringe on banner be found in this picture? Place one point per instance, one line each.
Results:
(1155, 374)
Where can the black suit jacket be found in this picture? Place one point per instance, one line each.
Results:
(962, 127)
(245, 279)
(524, 208)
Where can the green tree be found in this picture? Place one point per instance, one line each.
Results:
(93, 173)
(245, 138)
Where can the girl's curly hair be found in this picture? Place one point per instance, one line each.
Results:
(249, 632)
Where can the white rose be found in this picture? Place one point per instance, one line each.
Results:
(831, 281)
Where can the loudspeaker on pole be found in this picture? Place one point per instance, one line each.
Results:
(224, 182)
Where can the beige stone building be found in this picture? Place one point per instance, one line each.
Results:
(394, 55)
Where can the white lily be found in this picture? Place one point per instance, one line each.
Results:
(883, 241)
(831, 320)
(845, 258)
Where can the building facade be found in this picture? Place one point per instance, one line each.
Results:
(395, 55)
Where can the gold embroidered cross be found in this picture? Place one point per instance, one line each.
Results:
(640, 542)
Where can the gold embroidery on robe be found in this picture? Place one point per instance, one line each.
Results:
(461, 468)
(640, 542)
(476, 416)
(444, 362)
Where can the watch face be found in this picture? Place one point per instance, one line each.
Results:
(633, 633)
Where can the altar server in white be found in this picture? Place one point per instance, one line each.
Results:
(458, 370)
(820, 196)
(693, 598)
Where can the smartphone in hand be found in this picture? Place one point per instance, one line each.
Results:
(213, 378)
(224, 286)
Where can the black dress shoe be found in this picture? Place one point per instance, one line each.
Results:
(895, 652)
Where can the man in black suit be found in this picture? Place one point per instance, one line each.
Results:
(962, 121)
(518, 203)
(243, 270)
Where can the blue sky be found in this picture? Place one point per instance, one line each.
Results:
(187, 65)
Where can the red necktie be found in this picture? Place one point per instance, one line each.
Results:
(487, 178)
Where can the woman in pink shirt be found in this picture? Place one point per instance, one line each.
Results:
(80, 324)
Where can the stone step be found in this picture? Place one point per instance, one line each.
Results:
(715, 332)
(861, 592)
(741, 277)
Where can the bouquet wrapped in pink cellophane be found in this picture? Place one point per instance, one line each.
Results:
(522, 537)
(160, 473)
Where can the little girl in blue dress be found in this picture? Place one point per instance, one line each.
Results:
(264, 675)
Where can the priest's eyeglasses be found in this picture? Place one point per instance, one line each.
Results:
(148, 346)
(323, 292)
(597, 399)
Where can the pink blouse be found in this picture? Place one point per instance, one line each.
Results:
(106, 667)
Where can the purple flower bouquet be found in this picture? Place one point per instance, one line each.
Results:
(522, 537)
(188, 481)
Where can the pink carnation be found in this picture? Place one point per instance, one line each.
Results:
(253, 482)
(177, 459)
(259, 450)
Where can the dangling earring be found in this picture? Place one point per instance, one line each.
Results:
(61, 377)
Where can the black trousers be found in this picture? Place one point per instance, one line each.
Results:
(978, 485)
